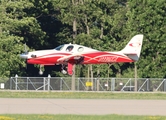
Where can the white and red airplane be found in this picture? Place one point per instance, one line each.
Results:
(70, 54)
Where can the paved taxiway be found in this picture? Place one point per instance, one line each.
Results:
(82, 106)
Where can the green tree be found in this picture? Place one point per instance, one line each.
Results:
(148, 17)
(100, 24)
(10, 45)
(17, 28)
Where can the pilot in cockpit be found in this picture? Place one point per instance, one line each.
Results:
(69, 48)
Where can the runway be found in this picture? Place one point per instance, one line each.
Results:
(82, 106)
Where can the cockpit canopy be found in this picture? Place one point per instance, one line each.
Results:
(73, 48)
(69, 48)
(66, 47)
(59, 47)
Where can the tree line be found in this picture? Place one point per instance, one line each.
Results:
(101, 24)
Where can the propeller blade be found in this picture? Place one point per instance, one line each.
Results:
(25, 48)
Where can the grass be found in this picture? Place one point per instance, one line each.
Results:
(83, 95)
(79, 117)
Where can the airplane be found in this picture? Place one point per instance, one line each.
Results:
(70, 54)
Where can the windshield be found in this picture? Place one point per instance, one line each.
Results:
(59, 47)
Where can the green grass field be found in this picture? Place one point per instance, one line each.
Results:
(81, 95)
(79, 117)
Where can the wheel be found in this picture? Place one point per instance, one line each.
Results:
(40, 72)
(64, 72)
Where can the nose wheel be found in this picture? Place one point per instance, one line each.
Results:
(40, 70)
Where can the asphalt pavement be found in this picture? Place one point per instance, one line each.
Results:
(82, 106)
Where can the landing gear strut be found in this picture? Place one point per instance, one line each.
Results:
(40, 70)
(64, 69)
(67, 69)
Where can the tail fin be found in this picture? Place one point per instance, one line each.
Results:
(133, 48)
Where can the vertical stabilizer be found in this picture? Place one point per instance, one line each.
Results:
(133, 48)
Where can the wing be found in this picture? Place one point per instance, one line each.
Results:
(70, 60)
(73, 58)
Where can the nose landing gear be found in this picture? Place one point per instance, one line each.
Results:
(40, 70)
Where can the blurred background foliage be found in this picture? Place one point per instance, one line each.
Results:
(101, 24)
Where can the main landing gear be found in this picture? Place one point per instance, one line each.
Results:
(64, 69)
(67, 69)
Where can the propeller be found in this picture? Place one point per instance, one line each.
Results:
(25, 49)
(25, 54)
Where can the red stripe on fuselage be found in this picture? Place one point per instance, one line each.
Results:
(47, 59)
(104, 57)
